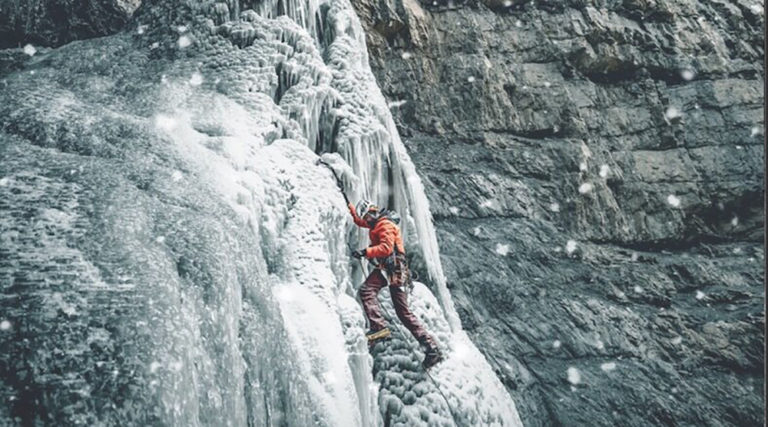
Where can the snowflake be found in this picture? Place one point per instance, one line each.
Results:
(176, 176)
(757, 9)
(196, 79)
(396, 104)
(30, 50)
(554, 207)
(4, 181)
(735, 221)
(182, 28)
(160, 239)
(140, 29)
(476, 231)
(700, 295)
(502, 249)
(672, 113)
(184, 42)
(154, 366)
(454, 210)
(687, 74)
(5, 325)
(406, 55)
(164, 122)
(676, 340)
(470, 79)
(608, 367)
(154, 45)
(574, 376)
(547, 84)
(507, 3)
(634, 256)
(755, 131)
(585, 188)
(487, 204)
(518, 23)
(638, 289)
(583, 166)
(673, 200)
(604, 171)
(570, 246)
(556, 344)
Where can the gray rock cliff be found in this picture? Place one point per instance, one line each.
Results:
(596, 174)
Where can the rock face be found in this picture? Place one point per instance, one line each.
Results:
(55, 22)
(596, 175)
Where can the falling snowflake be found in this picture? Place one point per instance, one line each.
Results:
(196, 79)
(735, 221)
(547, 84)
(4, 181)
(570, 246)
(5, 325)
(556, 344)
(176, 366)
(585, 188)
(154, 366)
(164, 122)
(406, 55)
(502, 250)
(757, 9)
(604, 171)
(518, 23)
(634, 256)
(554, 207)
(454, 210)
(672, 113)
(30, 50)
(673, 200)
(184, 42)
(487, 204)
(600, 345)
(687, 74)
(397, 104)
(638, 289)
(608, 367)
(470, 79)
(755, 131)
(154, 45)
(140, 29)
(583, 166)
(700, 295)
(736, 251)
(176, 176)
(507, 3)
(574, 376)
(476, 231)
(182, 28)
(676, 340)
(160, 239)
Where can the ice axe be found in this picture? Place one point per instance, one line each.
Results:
(338, 180)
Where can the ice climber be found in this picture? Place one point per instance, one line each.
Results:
(387, 252)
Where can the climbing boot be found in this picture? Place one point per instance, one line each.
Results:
(432, 353)
(432, 357)
(378, 335)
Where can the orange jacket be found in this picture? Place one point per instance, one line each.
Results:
(384, 235)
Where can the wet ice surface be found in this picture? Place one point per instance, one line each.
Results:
(199, 257)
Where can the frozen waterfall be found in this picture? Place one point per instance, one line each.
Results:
(202, 198)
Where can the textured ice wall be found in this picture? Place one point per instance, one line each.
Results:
(203, 128)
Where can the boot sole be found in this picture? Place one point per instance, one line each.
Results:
(378, 335)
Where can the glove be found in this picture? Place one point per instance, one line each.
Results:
(351, 208)
(358, 253)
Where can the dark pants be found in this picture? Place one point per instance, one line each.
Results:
(369, 295)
